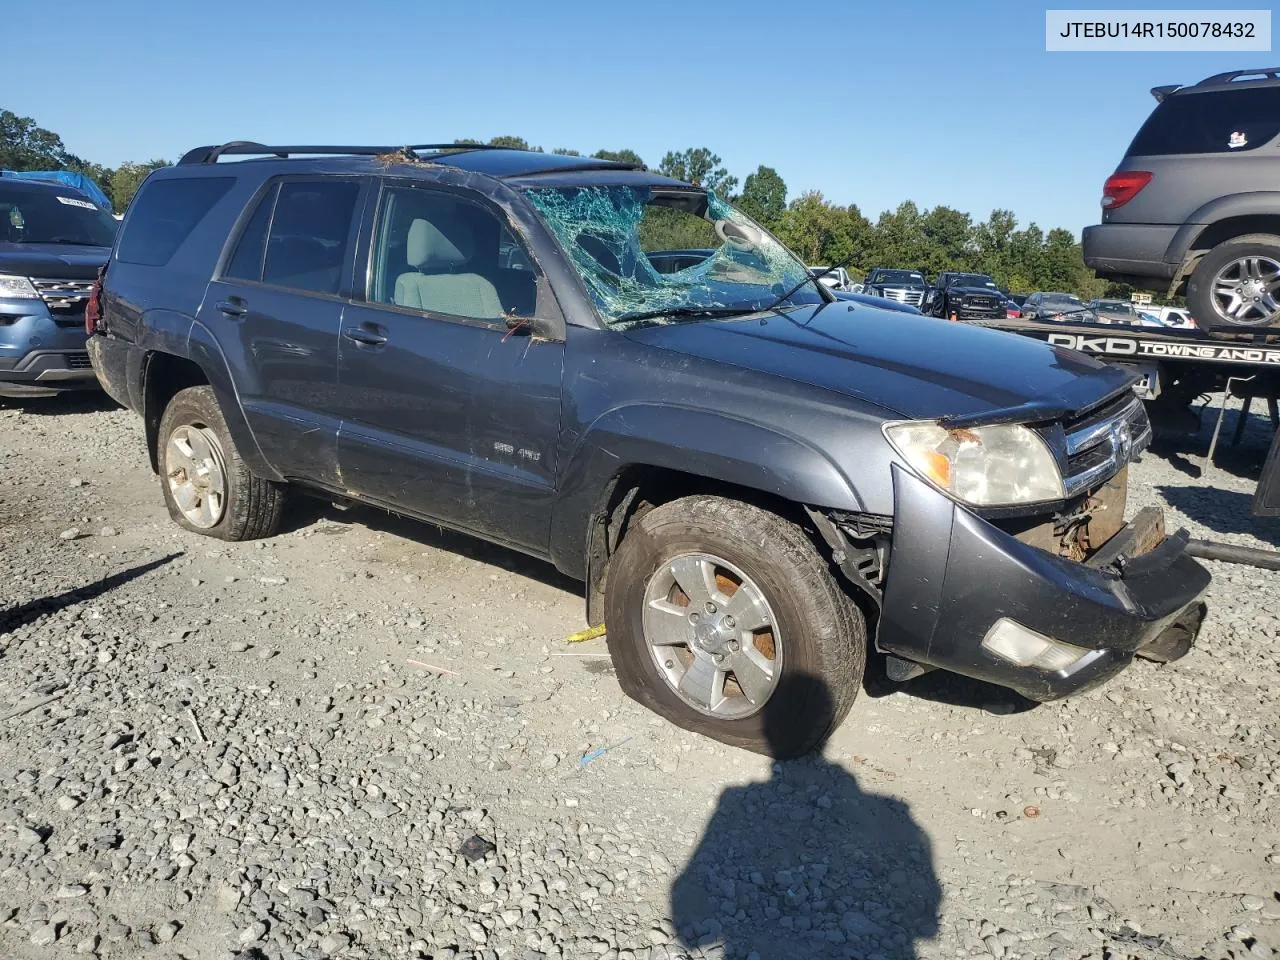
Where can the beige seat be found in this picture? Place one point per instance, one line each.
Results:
(434, 285)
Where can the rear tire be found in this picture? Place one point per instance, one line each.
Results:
(1228, 268)
(804, 664)
(207, 486)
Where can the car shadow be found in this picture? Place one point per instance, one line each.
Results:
(807, 864)
(305, 511)
(1222, 511)
(60, 404)
(25, 613)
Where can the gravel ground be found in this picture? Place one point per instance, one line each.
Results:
(362, 739)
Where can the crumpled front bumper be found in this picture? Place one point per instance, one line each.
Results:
(952, 575)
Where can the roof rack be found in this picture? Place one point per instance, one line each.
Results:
(210, 154)
(1217, 80)
(1233, 76)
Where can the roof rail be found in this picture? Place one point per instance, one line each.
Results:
(1232, 76)
(210, 154)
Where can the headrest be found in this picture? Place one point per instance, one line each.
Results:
(427, 248)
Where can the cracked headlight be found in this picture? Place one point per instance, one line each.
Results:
(1001, 465)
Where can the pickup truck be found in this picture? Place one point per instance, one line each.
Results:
(965, 296)
(755, 480)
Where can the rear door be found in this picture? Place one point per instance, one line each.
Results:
(446, 412)
(277, 302)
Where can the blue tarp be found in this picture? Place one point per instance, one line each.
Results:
(79, 181)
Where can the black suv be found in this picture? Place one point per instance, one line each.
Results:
(965, 296)
(747, 472)
(1194, 206)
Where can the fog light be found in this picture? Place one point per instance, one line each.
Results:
(1011, 641)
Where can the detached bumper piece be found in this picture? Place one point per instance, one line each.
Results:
(965, 596)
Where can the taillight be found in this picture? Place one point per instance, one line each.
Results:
(1122, 187)
(93, 309)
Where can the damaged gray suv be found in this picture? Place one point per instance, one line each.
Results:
(754, 479)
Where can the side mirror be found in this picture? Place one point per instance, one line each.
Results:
(539, 328)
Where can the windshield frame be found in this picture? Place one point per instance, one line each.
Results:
(706, 204)
(87, 216)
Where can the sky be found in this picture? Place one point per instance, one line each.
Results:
(869, 103)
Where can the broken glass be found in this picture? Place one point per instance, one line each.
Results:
(649, 255)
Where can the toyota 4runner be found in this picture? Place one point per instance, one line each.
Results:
(751, 476)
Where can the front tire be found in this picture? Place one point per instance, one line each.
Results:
(1236, 286)
(724, 619)
(207, 486)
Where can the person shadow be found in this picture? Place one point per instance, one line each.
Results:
(807, 865)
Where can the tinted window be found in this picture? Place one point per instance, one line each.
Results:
(40, 215)
(164, 214)
(310, 234)
(438, 253)
(1231, 121)
(246, 262)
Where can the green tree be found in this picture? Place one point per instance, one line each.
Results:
(808, 227)
(945, 240)
(620, 156)
(25, 146)
(764, 196)
(566, 152)
(126, 179)
(701, 167)
(512, 143)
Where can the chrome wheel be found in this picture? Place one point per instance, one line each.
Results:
(196, 474)
(712, 635)
(1247, 291)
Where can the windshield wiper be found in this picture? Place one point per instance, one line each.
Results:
(686, 312)
(816, 278)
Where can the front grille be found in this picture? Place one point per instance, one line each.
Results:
(63, 295)
(979, 303)
(914, 297)
(1104, 440)
(79, 361)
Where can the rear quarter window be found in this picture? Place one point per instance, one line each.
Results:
(1228, 121)
(164, 214)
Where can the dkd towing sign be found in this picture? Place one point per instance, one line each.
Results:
(1163, 350)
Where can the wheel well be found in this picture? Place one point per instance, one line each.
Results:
(164, 375)
(1233, 227)
(637, 489)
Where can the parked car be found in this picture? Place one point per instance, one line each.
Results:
(1058, 307)
(1122, 312)
(53, 241)
(837, 279)
(904, 286)
(1012, 310)
(872, 300)
(754, 478)
(1193, 206)
(1176, 317)
(965, 296)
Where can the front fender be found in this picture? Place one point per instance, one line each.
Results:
(1257, 203)
(708, 445)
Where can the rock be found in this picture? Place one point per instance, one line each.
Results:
(68, 803)
(1250, 902)
(108, 532)
(44, 935)
(69, 891)
(166, 931)
(71, 533)
(382, 810)
(333, 943)
(226, 899)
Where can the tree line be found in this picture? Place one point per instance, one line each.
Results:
(820, 232)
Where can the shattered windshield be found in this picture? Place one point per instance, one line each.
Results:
(608, 232)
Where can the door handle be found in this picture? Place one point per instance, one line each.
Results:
(363, 337)
(232, 307)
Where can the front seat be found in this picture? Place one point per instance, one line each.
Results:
(432, 285)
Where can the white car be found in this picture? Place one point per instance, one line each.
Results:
(837, 279)
(1177, 317)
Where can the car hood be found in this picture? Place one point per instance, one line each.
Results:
(52, 261)
(911, 366)
(985, 291)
